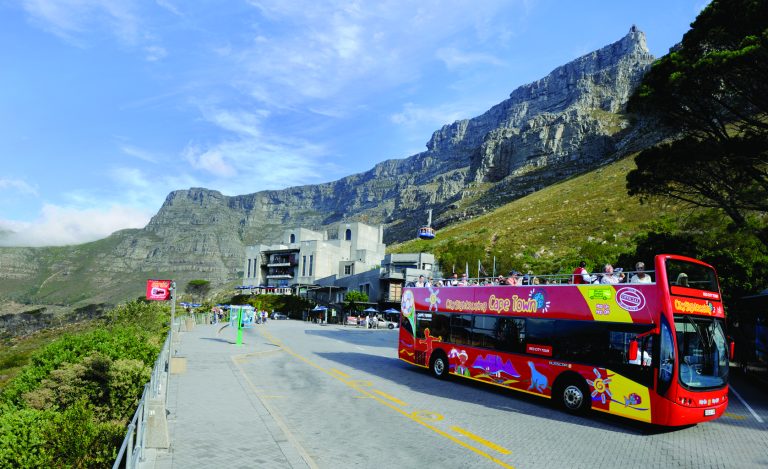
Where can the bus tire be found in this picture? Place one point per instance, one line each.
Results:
(439, 364)
(573, 395)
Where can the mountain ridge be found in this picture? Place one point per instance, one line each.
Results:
(564, 124)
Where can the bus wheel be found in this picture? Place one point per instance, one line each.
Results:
(439, 365)
(574, 395)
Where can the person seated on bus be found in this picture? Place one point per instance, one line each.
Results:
(610, 277)
(454, 281)
(640, 276)
(513, 278)
(464, 282)
(421, 282)
(682, 279)
(581, 275)
(500, 280)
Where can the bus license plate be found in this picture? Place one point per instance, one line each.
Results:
(708, 412)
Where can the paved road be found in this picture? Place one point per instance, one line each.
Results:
(329, 397)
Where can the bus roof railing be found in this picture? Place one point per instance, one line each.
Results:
(535, 279)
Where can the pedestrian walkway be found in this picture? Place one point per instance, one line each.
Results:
(215, 419)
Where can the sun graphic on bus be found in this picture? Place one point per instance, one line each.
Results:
(600, 386)
(407, 304)
(433, 299)
(541, 299)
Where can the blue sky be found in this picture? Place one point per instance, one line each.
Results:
(108, 105)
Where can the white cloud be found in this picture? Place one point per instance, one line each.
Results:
(155, 53)
(454, 58)
(139, 153)
(170, 7)
(59, 226)
(69, 19)
(332, 49)
(412, 115)
(131, 177)
(17, 185)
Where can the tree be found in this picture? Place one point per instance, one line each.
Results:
(352, 298)
(198, 288)
(712, 94)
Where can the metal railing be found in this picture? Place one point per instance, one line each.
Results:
(132, 450)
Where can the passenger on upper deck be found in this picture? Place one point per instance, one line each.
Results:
(514, 278)
(682, 279)
(609, 276)
(580, 274)
(454, 281)
(640, 276)
(464, 282)
(421, 282)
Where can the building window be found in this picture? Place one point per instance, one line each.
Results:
(348, 235)
(293, 238)
(303, 266)
(249, 268)
(347, 270)
(311, 262)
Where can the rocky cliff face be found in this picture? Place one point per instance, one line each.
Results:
(568, 122)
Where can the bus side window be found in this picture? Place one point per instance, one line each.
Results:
(461, 329)
(441, 326)
(406, 324)
(510, 333)
(539, 331)
(666, 357)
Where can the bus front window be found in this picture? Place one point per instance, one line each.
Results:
(703, 352)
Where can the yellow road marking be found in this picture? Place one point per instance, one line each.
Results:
(391, 398)
(481, 440)
(340, 373)
(414, 416)
(734, 416)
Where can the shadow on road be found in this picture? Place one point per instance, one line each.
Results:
(465, 390)
(359, 336)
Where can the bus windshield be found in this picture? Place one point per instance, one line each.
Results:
(691, 275)
(702, 349)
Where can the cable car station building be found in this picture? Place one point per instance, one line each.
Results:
(305, 261)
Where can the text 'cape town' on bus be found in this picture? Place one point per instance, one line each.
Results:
(655, 352)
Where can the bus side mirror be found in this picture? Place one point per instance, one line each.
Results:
(731, 349)
(633, 350)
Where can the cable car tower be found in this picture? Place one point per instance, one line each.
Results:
(427, 232)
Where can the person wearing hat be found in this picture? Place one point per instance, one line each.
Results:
(640, 276)
(580, 274)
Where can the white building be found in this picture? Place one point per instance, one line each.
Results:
(302, 256)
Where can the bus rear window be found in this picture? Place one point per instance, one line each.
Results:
(691, 275)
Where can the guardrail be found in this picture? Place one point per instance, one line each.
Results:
(132, 450)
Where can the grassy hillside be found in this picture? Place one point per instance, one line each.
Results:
(589, 217)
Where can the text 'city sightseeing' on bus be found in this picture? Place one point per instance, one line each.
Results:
(655, 352)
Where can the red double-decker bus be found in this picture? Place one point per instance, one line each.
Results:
(655, 352)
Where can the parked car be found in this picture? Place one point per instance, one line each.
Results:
(277, 315)
(382, 323)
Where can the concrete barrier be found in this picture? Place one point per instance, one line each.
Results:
(157, 425)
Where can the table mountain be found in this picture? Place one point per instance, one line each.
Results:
(566, 123)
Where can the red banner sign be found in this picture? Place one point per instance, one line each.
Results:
(159, 290)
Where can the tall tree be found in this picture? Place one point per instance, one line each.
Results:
(712, 93)
(198, 288)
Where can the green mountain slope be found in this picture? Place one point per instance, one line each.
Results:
(589, 216)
